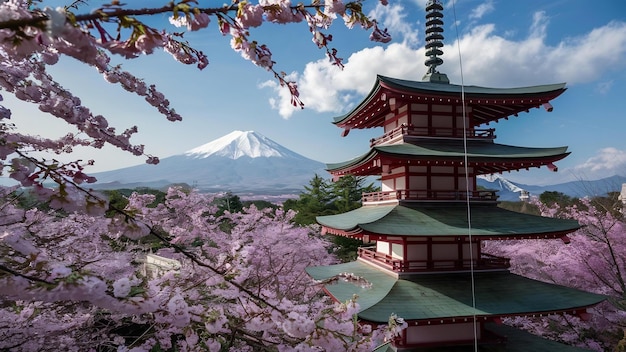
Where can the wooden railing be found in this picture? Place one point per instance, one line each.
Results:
(485, 262)
(408, 130)
(426, 195)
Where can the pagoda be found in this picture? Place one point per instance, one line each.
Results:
(427, 225)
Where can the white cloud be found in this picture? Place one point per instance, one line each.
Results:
(540, 25)
(421, 4)
(607, 162)
(488, 58)
(482, 9)
(325, 88)
(492, 60)
(584, 58)
(282, 102)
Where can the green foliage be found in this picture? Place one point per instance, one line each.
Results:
(608, 203)
(322, 197)
(347, 192)
(229, 202)
(550, 198)
(347, 248)
(315, 201)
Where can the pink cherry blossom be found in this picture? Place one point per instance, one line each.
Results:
(378, 35)
(249, 15)
(588, 262)
(75, 279)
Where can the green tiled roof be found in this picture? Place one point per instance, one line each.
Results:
(431, 219)
(477, 151)
(451, 89)
(469, 90)
(448, 295)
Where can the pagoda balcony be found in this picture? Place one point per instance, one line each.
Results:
(485, 262)
(416, 195)
(403, 131)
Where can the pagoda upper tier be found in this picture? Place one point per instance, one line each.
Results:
(483, 157)
(483, 105)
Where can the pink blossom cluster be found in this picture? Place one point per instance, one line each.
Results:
(592, 261)
(192, 22)
(71, 276)
(237, 288)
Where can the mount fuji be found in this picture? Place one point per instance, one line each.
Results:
(239, 162)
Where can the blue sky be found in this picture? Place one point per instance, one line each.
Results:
(503, 43)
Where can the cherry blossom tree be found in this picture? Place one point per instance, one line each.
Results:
(72, 278)
(593, 261)
(75, 282)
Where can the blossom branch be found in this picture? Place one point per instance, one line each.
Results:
(27, 277)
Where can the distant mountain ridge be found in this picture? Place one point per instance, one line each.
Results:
(241, 161)
(248, 162)
(510, 191)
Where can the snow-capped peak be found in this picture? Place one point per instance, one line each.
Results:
(505, 184)
(238, 144)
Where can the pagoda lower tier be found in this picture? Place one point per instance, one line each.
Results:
(427, 237)
(447, 308)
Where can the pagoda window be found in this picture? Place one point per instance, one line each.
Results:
(418, 169)
(420, 124)
(442, 125)
(425, 334)
(418, 182)
(445, 255)
(400, 183)
(388, 185)
(475, 249)
(443, 170)
(417, 252)
(461, 183)
(397, 251)
(419, 107)
(442, 108)
(459, 122)
(442, 183)
(383, 247)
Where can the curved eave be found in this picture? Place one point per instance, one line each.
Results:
(362, 116)
(488, 104)
(436, 220)
(485, 157)
(437, 297)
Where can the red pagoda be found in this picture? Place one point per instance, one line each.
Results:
(427, 223)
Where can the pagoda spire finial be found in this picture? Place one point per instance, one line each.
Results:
(434, 38)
